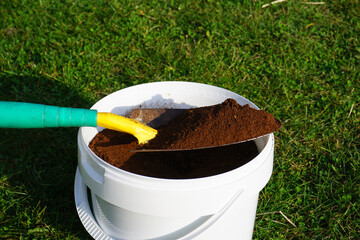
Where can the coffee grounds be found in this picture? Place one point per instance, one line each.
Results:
(114, 147)
(213, 125)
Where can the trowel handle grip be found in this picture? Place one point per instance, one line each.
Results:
(32, 115)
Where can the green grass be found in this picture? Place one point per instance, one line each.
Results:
(295, 60)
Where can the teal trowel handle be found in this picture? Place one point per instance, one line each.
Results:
(31, 115)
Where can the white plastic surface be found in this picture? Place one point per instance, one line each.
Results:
(84, 210)
(87, 218)
(130, 206)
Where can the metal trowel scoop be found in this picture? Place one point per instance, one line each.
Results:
(158, 117)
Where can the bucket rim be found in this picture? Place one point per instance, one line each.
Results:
(251, 164)
(213, 180)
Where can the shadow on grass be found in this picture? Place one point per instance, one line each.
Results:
(41, 163)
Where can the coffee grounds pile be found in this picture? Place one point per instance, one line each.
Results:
(215, 125)
(114, 147)
(199, 127)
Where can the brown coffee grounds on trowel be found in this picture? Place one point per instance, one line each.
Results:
(217, 124)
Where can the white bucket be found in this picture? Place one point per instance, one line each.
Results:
(131, 206)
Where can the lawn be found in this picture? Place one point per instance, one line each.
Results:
(298, 61)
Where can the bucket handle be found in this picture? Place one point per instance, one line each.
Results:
(208, 223)
(90, 224)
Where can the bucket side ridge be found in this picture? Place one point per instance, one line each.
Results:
(84, 211)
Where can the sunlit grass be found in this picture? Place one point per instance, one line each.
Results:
(298, 61)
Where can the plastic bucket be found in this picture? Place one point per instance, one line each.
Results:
(131, 206)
